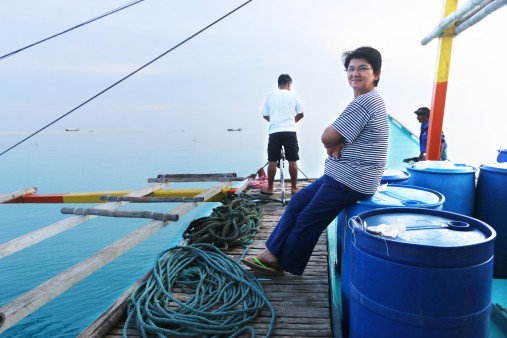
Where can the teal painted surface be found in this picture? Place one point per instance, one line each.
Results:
(402, 144)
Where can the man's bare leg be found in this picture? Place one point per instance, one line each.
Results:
(271, 177)
(293, 172)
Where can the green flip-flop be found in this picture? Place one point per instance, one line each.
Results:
(256, 265)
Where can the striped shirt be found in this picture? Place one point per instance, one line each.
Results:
(365, 127)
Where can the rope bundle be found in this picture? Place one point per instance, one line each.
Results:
(234, 223)
(196, 291)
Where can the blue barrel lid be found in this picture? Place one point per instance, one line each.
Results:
(500, 167)
(442, 167)
(393, 195)
(431, 237)
(392, 175)
(423, 229)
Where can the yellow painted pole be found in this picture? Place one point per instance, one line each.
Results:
(440, 86)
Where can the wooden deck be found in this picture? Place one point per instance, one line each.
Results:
(301, 303)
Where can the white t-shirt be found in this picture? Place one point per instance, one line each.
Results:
(282, 106)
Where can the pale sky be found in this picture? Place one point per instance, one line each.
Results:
(220, 78)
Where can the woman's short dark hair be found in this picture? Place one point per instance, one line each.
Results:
(284, 79)
(369, 53)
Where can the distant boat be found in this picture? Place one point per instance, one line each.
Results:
(72, 129)
(230, 129)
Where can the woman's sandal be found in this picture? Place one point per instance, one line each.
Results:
(256, 265)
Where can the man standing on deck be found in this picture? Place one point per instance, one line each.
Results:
(282, 110)
(423, 116)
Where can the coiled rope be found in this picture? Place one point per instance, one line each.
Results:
(196, 291)
(258, 198)
(234, 223)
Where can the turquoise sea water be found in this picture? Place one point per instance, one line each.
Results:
(64, 162)
(97, 161)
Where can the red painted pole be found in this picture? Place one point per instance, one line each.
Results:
(440, 88)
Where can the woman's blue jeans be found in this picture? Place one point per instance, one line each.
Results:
(308, 214)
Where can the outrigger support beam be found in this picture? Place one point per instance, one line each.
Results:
(16, 194)
(150, 199)
(451, 18)
(224, 177)
(160, 216)
(24, 305)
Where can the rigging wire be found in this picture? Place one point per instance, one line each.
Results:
(70, 29)
(126, 77)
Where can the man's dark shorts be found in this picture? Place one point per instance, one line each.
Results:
(289, 141)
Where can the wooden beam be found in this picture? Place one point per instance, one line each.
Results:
(192, 176)
(196, 179)
(94, 197)
(453, 15)
(121, 213)
(241, 188)
(151, 199)
(37, 236)
(26, 304)
(16, 194)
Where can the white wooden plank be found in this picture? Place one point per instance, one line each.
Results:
(37, 236)
(16, 194)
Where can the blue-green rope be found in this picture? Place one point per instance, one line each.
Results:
(217, 296)
(234, 223)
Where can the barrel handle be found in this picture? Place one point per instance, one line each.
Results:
(412, 203)
(458, 225)
(451, 225)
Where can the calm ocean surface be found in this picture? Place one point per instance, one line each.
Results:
(59, 162)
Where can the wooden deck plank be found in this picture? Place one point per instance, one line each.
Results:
(301, 303)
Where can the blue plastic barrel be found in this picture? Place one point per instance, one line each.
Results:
(394, 176)
(502, 155)
(455, 180)
(393, 196)
(491, 207)
(433, 280)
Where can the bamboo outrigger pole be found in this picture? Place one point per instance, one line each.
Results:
(39, 235)
(121, 213)
(16, 194)
(26, 304)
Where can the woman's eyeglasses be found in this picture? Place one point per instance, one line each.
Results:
(360, 69)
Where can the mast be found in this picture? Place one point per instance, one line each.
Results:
(454, 21)
(440, 86)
